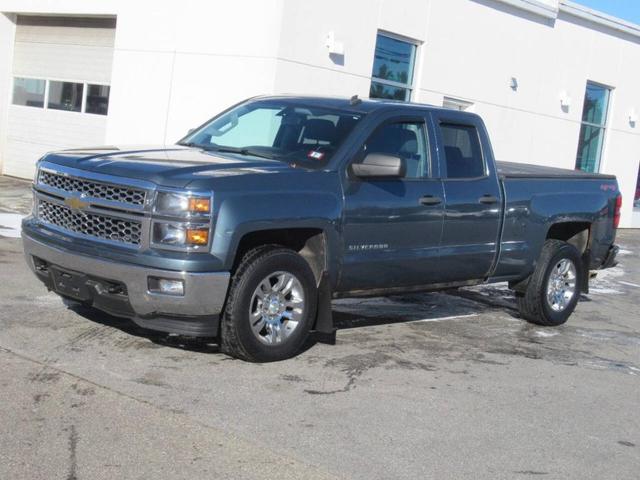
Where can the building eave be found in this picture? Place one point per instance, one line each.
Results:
(543, 9)
(599, 18)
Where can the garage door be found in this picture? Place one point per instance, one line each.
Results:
(61, 78)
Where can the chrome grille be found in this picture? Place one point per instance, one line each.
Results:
(99, 226)
(92, 189)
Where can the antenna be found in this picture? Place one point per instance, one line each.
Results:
(355, 100)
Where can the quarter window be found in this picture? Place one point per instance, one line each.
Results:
(593, 128)
(393, 64)
(462, 151)
(406, 140)
(28, 92)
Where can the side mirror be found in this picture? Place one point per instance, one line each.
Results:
(379, 165)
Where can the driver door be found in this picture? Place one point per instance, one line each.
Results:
(393, 227)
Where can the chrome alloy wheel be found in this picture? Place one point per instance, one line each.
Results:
(561, 285)
(276, 307)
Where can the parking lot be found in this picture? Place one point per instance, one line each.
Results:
(438, 385)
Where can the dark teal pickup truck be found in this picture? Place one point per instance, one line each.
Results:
(249, 226)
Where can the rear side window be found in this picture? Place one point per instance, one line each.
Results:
(462, 151)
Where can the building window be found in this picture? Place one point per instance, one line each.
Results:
(593, 129)
(636, 197)
(393, 64)
(456, 104)
(28, 92)
(61, 95)
(65, 96)
(97, 99)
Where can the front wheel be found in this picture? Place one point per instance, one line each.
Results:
(553, 290)
(270, 307)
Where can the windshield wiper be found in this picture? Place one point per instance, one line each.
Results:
(225, 149)
(242, 151)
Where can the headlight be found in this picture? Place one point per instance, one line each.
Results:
(168, 203)
(180, 235)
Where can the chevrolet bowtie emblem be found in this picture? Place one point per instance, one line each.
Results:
(75, 203)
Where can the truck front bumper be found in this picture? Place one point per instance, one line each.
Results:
(122, 289)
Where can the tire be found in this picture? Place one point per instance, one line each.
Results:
(279, 337)
(548, 300)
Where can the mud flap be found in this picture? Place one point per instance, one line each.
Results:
(324, 329)
(586, 275)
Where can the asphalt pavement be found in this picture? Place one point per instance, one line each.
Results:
(440, 385)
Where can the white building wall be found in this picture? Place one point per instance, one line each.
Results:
(7, 35)
(470, 50)
(176, 65)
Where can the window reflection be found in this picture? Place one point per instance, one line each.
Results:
(28, 92)
(65, 96)
(393, 65)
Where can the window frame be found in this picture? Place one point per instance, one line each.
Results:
(82, 98)
(427, 174)
(601, 127)
(458, 102)
(443, 156)
(409, 87)
(45, 97)
(45, 106)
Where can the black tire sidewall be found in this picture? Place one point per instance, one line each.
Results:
(287, 261)
(569, 252)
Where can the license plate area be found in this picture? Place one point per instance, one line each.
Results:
(69, 283)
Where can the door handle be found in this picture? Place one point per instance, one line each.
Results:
(488, 199)
(430, 200)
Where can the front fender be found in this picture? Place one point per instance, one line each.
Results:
(239, 215)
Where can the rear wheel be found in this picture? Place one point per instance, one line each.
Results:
(553, 290)
(271, 306)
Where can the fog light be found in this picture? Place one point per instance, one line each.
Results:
(166, 286)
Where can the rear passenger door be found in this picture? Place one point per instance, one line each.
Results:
(472, 213)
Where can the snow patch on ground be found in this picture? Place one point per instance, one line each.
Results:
(607, 282)
(10, 225)
(541, 333)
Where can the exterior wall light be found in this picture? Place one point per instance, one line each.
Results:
(333, 46)
(514, 84)
(633, 118)
(565, 101)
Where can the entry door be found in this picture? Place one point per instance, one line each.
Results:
(473, 199)
(392, 227)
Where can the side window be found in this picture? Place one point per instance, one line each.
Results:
(406, 140)
(462, 151)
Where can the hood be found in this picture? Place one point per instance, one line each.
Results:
(170, 166)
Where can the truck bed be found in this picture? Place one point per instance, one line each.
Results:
(523, 170)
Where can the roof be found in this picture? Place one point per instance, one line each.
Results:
(364, 105)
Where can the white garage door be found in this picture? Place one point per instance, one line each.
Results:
(61, 77)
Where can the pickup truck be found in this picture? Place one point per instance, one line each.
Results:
(248, 227)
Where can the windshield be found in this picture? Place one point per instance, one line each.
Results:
(277, 130)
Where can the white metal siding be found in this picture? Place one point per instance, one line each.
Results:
(57, 48)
